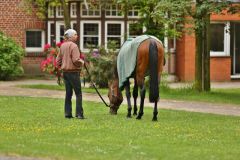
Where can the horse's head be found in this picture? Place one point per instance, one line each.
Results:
(115, 96)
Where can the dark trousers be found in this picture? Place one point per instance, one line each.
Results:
(72, 82)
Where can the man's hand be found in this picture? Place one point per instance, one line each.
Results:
(82, 61)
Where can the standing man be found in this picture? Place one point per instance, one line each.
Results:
(70, 62)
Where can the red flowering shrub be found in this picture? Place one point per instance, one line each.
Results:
(49, 65)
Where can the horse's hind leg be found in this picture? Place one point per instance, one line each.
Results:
(128, 95)
(135, 96)
(143, 91)
(155, 112)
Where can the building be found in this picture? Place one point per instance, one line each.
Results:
(96, 26)
(224, 50)
(16, 23)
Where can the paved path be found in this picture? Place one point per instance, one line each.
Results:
(9, 88)
(19, 158)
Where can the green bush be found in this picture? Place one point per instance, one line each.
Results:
(102, 63)
(10, 58)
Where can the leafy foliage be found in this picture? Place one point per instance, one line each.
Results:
(41, 6)
(49, 65)
(102, 64)
(10, 58)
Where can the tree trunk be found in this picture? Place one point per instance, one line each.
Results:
(66, 15)
(202, 57)
(206, 53)
(198, 60)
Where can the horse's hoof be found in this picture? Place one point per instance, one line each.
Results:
(134, 114)
(139, 117)
(113, 113)
(129, 116)
(154, 119)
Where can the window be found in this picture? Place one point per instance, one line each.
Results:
(133, 12)
(90, 34)
(59, 11)
(74, 25)
(114, 30)
(113, 10)
(220, 39)
(73, 10)
(134, 30)
(217, 42)
(50, 11)
(51, 33)
(92, 11)
(34, 40)
(60, 31)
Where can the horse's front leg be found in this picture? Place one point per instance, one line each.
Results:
(128, 95)
(155, 111)
(143, 91)
(135, 96)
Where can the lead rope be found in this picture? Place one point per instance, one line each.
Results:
(95, 87)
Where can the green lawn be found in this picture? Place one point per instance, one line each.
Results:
(227, 96)
(35, 127)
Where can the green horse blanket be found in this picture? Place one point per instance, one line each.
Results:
(127, 57)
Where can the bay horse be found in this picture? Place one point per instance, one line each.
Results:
(149, 61)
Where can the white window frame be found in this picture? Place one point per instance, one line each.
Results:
(72, 22)
(111, 16)
(226, 51)
(49, 31)
(122, 31)
(35, 49)
(133, 9)
(89, 8)
(72, 15)
(58, 24)
(50, 10)
(82, 34)
(59, 9)
(57, 29)
(128, 28)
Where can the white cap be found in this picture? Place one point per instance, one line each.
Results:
(69, 33)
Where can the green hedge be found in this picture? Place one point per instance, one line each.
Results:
(101, 65)
(10, 58)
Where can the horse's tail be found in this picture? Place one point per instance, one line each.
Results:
(153, 72)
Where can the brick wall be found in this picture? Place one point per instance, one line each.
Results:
(31, 65)
(185, 63)
(220, 67)
(225, 17)
(14, 21)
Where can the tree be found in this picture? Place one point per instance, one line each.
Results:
(172, 14)
(43, 4)
(155, 16)
(42, 8)
(167, 18)
(200, 12)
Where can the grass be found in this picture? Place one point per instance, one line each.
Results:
(35, 127)
(227, 96)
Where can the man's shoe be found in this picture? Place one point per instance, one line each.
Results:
(69, 117)
(80, 117)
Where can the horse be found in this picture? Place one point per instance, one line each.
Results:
(149, 61)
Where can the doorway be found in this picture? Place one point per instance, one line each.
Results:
(235, 48)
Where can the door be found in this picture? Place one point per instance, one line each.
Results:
(236, 48)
